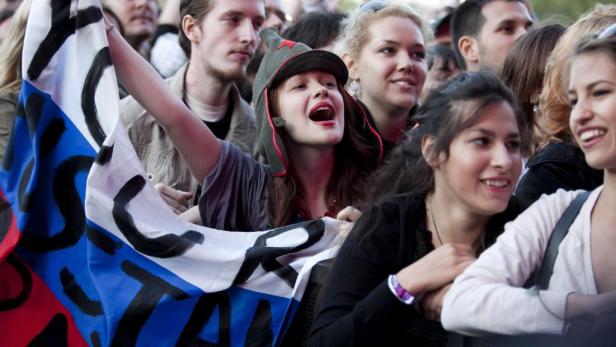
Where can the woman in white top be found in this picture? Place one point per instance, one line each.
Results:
(488, 297)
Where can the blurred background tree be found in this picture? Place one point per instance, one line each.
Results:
(571, 9)
(348, 5)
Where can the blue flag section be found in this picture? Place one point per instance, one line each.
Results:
(89, 253)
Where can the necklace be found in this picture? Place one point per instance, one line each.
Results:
(434, 222)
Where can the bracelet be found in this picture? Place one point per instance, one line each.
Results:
(399, 291)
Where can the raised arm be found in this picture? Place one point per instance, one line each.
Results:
(194, 141)
(170, 14)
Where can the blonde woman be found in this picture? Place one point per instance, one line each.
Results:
(384, 48)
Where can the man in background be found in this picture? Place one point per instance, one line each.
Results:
(219, 37)
(483, 31)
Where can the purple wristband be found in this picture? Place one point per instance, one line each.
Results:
(401, 294)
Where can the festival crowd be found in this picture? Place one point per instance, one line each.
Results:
(470, 151)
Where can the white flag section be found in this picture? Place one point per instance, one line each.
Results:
(129, 271)
(63, 61)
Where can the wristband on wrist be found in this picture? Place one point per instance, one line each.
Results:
(398, 291)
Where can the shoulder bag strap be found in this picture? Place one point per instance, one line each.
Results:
(542, 276)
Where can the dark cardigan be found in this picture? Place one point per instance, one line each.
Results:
(557, 165)
(357, 307)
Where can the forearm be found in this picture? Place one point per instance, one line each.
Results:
(579, 305)
(170, 13)
(192, 215)
(488, 297)
(475, 307)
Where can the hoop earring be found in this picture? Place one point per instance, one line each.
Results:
(354, 88)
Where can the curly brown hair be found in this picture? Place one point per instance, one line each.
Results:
(553, 101)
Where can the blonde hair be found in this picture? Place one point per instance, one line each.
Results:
(11, 48)
(553, 101)
(354, 33)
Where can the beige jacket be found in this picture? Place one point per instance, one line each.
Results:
(8, 105)
(161, 160)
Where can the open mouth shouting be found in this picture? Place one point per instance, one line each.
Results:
(323, 114)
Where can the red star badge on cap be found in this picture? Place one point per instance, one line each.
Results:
(286, 43)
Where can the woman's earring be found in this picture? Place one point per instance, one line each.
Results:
(354, 88)
(536, 108)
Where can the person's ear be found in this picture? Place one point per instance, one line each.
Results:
(427, 151)
(351, 66)
(469, 49)
(191, 28)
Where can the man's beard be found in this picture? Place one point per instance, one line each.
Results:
(224, 76)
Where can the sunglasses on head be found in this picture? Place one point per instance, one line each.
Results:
(608, 32)
(372, 6)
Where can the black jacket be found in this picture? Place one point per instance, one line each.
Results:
(557, 165)
(357, 307)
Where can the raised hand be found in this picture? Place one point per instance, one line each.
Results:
(176, 199)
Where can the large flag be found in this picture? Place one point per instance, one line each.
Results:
(89, 253)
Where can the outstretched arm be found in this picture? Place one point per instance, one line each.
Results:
(170, 14)
(194, 141)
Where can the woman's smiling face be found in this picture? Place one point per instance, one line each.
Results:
(391, 66)
(484, 162)
(592, 93)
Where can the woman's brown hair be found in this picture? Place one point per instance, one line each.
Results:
(524, 68)
(553, 102)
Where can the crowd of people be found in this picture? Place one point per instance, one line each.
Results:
(453, 145)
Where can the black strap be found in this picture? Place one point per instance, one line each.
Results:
(542, 277)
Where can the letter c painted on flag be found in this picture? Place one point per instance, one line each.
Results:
(166, 246)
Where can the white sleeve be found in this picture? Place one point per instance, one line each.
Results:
(488, 297)
(166, 55)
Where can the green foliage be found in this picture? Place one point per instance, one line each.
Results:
(570, 9)
(348, 5)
